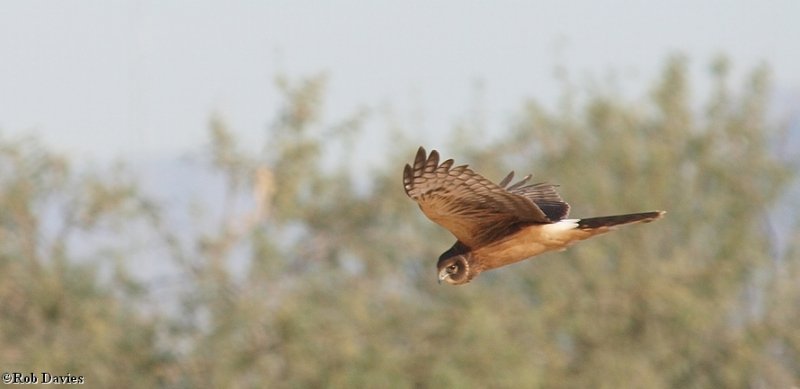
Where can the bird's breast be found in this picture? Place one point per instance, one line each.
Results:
(525, 243)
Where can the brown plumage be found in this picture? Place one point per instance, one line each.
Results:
(497, 224)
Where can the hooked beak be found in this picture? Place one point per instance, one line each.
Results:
(442, 276)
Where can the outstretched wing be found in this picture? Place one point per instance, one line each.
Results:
(473, 208)
(542, 194)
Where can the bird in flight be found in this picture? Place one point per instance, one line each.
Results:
(497, 224)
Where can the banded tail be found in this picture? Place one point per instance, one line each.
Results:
(610, 222)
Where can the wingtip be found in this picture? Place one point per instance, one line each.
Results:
(505, 181)
(520, 183)
(424, 158)
(421, 154)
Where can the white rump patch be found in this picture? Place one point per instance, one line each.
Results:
(561, 225)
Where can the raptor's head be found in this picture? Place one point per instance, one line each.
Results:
(453, 266)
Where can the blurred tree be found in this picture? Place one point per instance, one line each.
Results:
(56, 314)
(340, 287)
(304, 281)
(663, 305)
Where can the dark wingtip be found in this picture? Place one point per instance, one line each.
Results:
(521, 182)
(434, 156)
(421, 155)
(408, 174)
(504, 182)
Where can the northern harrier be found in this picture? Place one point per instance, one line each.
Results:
(497, 224)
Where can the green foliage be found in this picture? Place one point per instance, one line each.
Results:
(666, 304)
(306, 282)
(57, 316)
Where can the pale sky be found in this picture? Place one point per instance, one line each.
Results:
(103, 79)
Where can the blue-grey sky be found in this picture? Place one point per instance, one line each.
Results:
(100, 79)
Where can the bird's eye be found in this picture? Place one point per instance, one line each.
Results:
(452, 269)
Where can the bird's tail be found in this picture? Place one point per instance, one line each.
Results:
(609, 222)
